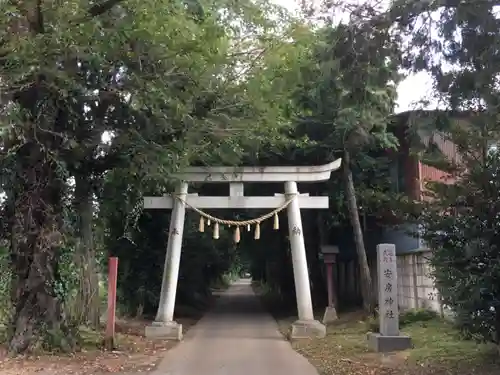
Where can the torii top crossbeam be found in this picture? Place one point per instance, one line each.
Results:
(259, 174)
(237, 176)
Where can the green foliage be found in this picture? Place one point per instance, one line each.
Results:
(345, 89)
(462, 228)
(416, 315)
(406, 318)
(177, 83)
(5, 286)
(172, 83)
(205, 262)
(227, 278)
(238, 106)
(65, 285)
(344, 101)
(67, 282)
(459, 219)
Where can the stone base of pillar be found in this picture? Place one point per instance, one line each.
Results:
(164, 331)
(305, 329)
(385, 344)
(330, 315)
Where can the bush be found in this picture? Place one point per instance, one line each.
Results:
(416, 315)
(461, 226)
(405, 318)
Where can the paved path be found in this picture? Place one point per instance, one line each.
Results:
(236, 338)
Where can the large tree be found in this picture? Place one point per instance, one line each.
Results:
(346, 96)
(164, 79)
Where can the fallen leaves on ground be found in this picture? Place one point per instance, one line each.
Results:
(437, 351)
(134, 354)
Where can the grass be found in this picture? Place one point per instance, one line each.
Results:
(437, 346)
(438, 341)
(437, 350)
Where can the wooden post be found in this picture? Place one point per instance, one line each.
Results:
(109, 339)
(329, 258)
(329, 284)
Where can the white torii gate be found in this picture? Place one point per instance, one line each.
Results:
(164, 325)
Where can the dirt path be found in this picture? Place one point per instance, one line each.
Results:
(238, 337)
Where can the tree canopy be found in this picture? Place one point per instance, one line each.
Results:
(101, 102)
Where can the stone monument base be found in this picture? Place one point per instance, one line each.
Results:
(305, 329)
(330, 315)
(164, 331)
(383, 344)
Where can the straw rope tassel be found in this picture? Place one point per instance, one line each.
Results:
(237, 224)
(216, 231)
(257, 231)
(276, 222)
(237, 235)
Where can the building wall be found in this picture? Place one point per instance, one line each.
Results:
(404, 172)
(429, 173)
(402, 238)
(415, 284)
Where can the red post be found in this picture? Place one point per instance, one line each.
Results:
(329, 281)
(329, 260)
(110, 324)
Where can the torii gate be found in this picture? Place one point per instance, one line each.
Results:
(164, 325)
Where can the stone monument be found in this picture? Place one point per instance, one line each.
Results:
(388, 339)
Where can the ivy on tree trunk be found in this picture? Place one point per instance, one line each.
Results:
(38, 317)
(87, 303)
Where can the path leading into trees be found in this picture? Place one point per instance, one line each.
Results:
(238, 337)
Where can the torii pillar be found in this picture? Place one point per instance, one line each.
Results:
(306, 326)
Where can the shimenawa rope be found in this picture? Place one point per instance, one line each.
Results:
(238, 223)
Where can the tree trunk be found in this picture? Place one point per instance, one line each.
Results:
(38, 318)
(497, 328)
(87, 304)
(366, 280)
